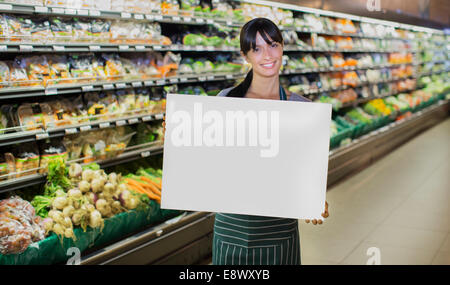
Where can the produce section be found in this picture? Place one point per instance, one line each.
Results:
(82, 96)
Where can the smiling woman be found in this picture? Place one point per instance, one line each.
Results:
(256, 240)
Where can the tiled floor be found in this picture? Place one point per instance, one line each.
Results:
(400, 206)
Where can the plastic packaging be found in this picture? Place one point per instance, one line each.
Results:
(26, 159)
(50, 150)
(19, 226)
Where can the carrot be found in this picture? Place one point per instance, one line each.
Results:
(145, 186)
(145, 192)
(152, 185)
(136, 185)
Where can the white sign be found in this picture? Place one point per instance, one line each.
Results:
(246, 156)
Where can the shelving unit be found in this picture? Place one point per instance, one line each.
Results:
(188, 238)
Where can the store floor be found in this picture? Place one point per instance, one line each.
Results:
(400, 206)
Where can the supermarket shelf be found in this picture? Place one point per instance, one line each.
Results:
(188, 239)
(26, 47)
(333, 33)
(364, 150)
(432, 72)
(364, 100)
(181, 240)
(290, 48)
(336, 69)
(341, 88)
(152, 17)
(35, 179)
(23, 92)
(29, 136)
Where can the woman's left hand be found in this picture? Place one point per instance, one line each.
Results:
(324, 214)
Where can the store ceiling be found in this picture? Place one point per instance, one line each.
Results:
(430, 13)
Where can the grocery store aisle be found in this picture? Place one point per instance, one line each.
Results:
(400, 205)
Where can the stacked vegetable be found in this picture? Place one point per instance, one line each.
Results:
(147, 182)
(378, 107)
(82, 197)
(358, 114)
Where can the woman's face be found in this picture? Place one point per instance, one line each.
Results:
(266, 59)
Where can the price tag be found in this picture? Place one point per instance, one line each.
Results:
(200, 20)
(104, 125)
(139, 16)
(149, 17)
(42, 136)
(202, 78)
(229, 23)
(209, 21)
(136, 84)
(71, 131)
(139, 47)
(108, 86)
(85, 128)
(121, 85)
(121, 123)
(125, 15)
(183, 79)
(83, 12)
(59, 48)
(173, 80)
(121, 47)
(176, 18)
(187, 19)
(58, 10)
(200, 48)
(87, 88)
(146, 118)
(158, 17)
(160, 82)
(145, 154)
(133, 121)
(70, 11)
(94, 48)
(229, 76)
(210, 48)
(157, 47)
(211, 77)
(6, 7)
(26, 48)
(148, 83)
(94, 13)
(40, 9)
(51, 91)
(3, 48)
(159, 116)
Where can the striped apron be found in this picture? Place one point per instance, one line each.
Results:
(255, 240)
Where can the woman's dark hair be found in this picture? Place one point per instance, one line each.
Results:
(269, 32)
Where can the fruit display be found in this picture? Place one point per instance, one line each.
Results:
(377, 107)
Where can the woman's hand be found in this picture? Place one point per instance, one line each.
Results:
(324, 214)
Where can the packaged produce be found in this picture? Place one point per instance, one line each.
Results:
(59, 70)
(82, 30)
(62, 30)
(27, 159)
(113, 66)
(30, 116)
(81, 67)
(127, 101)
(18, 73)
(4, 170)
(40, 31)
(61, 110)
(5, 74)
(19, 226)
(51, 150)
(17, 28)
(100, 30)
(37, 69)
(95, 108)
(117, 141)
(142, 101)
(109, 100)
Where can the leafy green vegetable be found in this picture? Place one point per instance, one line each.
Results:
(41, 204)
(57, 173)
(91, 166)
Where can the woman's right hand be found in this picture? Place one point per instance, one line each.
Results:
(325, 214)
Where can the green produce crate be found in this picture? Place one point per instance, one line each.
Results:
(343, 134)
(53, 250)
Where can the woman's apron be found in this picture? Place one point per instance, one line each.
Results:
(255, 240)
